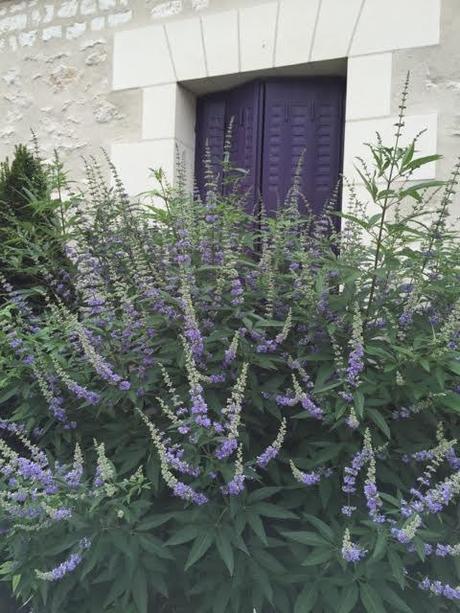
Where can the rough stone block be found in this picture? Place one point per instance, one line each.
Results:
(75, 30)
(117, 19)
(52, 32)
(167, 9)
(88, 7)
(68, 8)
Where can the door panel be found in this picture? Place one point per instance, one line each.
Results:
(210, 132)
(303, 124)
(276, 124)
(244, 105)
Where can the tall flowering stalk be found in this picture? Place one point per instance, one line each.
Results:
(203, 347)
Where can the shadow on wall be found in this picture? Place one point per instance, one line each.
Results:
(7, 605)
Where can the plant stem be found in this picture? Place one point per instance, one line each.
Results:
(385, 205)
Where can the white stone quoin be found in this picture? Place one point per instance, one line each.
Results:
(256, 37)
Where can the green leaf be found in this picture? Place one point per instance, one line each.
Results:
(188, 533)
(370, 599)
(7, 395)
(325, 530)
(225, 549)
(220, 599)
(257, 525)
(396, 601)
(349, 598)
(319, 556)
(262, 493)
(454, 367)
(306, 538)
(200, 546)
(140, 591)
(271, 510)
(123, 543)
(380, 546)
(154, 521)
(452, 401)
(306, 599)
(377, 418)
(359, 403)
(116, 589)
(425, 364)
(325, 492)
(15, 582)
(397, 567)
(155, 546)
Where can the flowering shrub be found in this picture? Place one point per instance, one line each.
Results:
(229, 414)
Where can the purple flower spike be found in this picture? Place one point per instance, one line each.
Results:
(234, 487)
(355, 365)
(226, 448)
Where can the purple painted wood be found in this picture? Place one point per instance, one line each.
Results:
(275, 123)
(209, 131)
(244, 106)
(303, 117)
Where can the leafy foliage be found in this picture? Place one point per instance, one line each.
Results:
(32, 219)
(275, 406)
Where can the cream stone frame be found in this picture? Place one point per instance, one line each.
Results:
(159, 59)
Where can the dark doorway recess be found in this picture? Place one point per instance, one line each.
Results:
(275, 122)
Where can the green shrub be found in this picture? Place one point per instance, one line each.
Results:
(33, 222)
(236, 416)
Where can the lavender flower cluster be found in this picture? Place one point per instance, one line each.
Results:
(244, 348)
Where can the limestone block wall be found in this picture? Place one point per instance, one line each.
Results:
(56, 73)
(123, 74)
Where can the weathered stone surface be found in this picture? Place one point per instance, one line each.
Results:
(167, 9)
(105, 111)
(56, 70)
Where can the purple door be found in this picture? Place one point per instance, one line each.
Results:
(243, 114)
(303, 123)
(275, 124)
(210, 132)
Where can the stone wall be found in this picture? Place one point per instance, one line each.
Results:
(55, 73)
(56, 69)
(435, 84)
